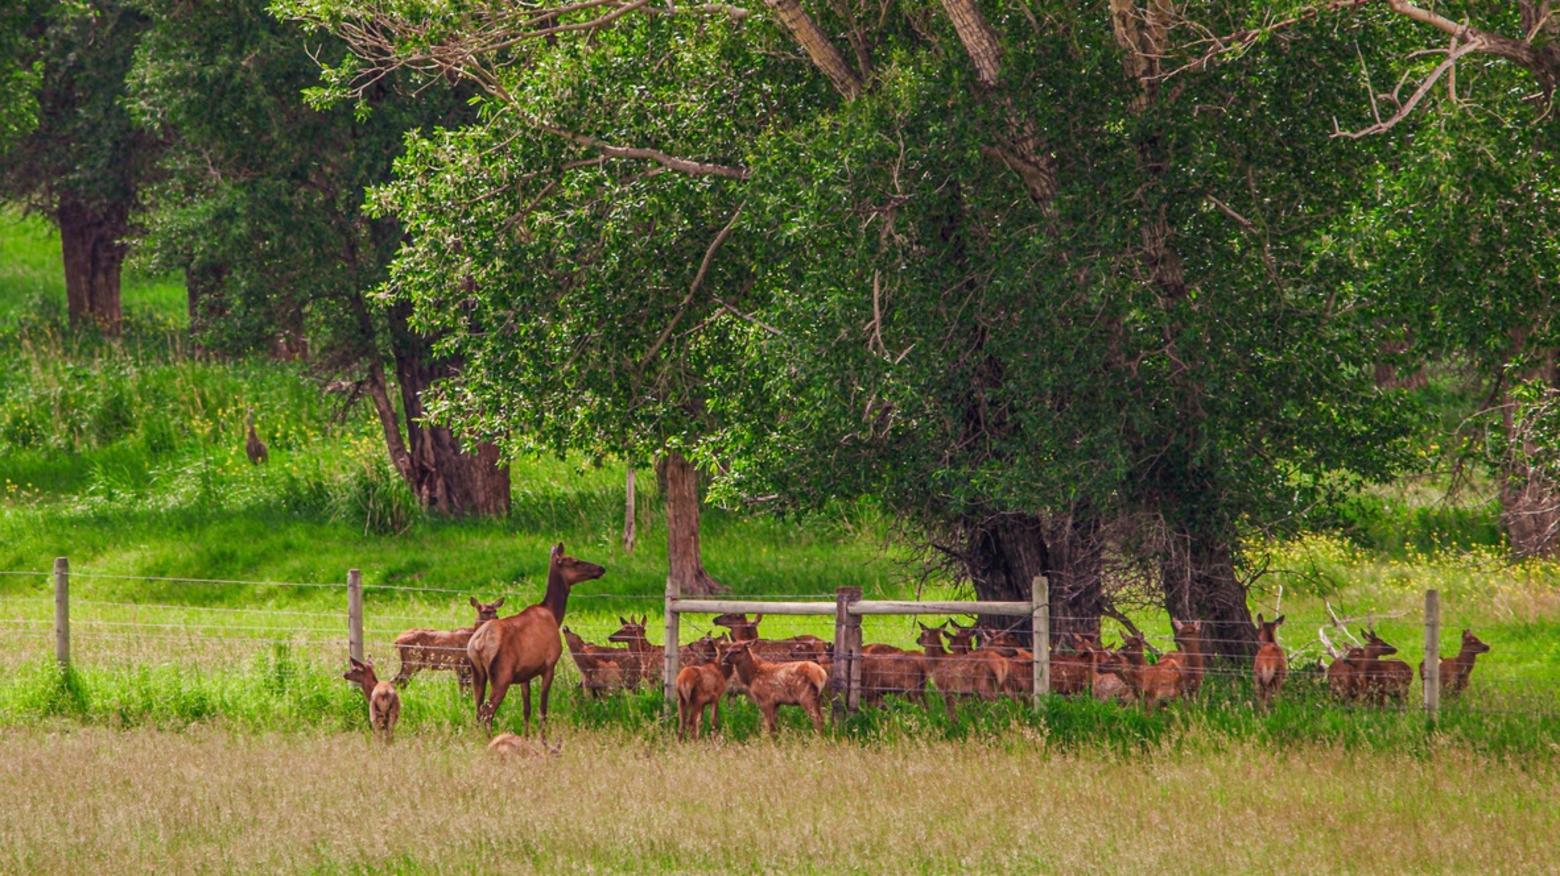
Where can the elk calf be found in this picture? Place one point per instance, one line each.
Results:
(1190, 654)
(1270, 666)
(886, 669)
(1152, 683)
(1380, 680)
(1456, 670)
(508, 745)
(700, 686)
(772, 685)
(384, 704)
(1348, 677)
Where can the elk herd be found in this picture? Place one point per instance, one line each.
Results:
(959, 662)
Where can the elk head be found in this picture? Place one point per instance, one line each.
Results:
(1472, 644)
(1267, 630)
(487, 611)
(573, 570)
(931, 636)
(361, 674)
(631, 631)
(1375, 647)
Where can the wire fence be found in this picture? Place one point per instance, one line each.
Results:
(111, 630)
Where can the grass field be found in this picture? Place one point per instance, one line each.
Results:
(208, 632)
(205, 800)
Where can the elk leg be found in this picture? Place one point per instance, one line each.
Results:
(769, 720)
(816, 713)
(490, 711)
(525, 704)
(547, 678)
(715, 716)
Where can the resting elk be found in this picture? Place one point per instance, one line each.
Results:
(516, 649)
(1347, 675)
(1456, 670)
(889, 670)
(602, 670)
(442, 649)
(1382, 680)
(1270, 666)
(1154, 683)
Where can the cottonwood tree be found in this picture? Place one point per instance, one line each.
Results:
(1011, 275)
(261, 208)
(68, 147)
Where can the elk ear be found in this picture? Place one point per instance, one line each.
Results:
(474, 603)
(757, 617)
(557, 550)
(1260, 620)
(356, 663)
(1278, 620)
(498, 602)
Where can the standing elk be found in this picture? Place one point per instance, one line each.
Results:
(886, 669)
(516, 649)
(1348, 675)
(961, 642)
(700, 685)
(1106, 668)
(1456, 670)
(384, 704)
(772, 685)
(1152, 683)
(1190, 653)
(958, 675)
(1270, 666)
(442, 649)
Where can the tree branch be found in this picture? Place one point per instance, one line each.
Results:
(813, 41)
(693, 288)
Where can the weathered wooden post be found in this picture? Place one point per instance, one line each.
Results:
(853, 636)
(1040, 634)
(355, 614)
(670, 668)
(62, 611)
(1432, 679)
(840, 674)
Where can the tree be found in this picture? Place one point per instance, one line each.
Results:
(69, 148)
(262, 209)
(1036, 306)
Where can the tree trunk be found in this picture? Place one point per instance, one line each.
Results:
(1197, 575)
(93, 255)
(1529, 500)
(445, 478)
(629, 515)
(685, 565)
(1007, 551)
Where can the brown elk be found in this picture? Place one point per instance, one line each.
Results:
(1347, 675)
(1456, 670)
(442, 649)
(516, 649)
(774, 650)
(700, 686)
(384, 704)
(602, 669)
(1381, 680)
(772, 685)
(957, 675)
(961, 640)
(1270, 666)
(1105, 672)
(886, 669)
(1152, 683)
(1191, 653)
(508, 745)
(254, 448)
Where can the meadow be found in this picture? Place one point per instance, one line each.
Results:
(208, 636)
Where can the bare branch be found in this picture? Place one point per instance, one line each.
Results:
(693, 288)
(1473, 45)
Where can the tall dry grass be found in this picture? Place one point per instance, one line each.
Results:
(90, 800)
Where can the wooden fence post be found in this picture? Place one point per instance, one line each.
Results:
(1040, 634)
(839, 673)
(62, 611)
(852, 653)
(355, 614)
(670, 668)
(1432, 664)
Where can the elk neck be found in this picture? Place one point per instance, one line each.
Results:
(557, 598)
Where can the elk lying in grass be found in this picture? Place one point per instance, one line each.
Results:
(1348, 675)
(510, 746)
(772, 685)
(1106, 668)
(1383, 680)
(958, 675)
(774, 650)
(961, 642)
(1456, 670)
(649, 658)
(1270, 666)
(516, 649)
(442, 649)
(700, 685)
(1152, 683)
(384, 704)
(602, 670)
